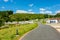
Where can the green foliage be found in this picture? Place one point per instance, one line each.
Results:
(25, 17)
(10, 33)
(4, 16)
(1, 22)
(9, 16)
(57, 15)
(43, 21)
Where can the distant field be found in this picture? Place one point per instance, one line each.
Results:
(10, 33)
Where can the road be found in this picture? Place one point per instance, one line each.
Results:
(43, 32)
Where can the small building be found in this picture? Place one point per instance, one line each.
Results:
(53, 20)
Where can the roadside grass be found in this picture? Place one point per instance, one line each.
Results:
(43, 21)
(10, 33)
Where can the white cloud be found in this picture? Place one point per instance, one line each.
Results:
(3, 7)
(45, 11)
(23, 11)
(42, 12)
(6, 0)
(31, 12)
(49, 12)
(42, 9)
(58, 11)
(31, 5)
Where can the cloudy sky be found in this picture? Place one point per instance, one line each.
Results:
(32, 6)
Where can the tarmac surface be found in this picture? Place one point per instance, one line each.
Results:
(43, 32)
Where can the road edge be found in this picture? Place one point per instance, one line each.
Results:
(28, 32)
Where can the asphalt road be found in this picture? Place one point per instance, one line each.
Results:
(43, 32)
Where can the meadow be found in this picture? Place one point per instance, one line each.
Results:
(10, 33)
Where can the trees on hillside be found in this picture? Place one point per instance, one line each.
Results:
(9, 16)
(4, 16)
(25, 17)
(1, 22)
(57, 15)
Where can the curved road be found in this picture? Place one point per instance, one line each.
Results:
(43, 32)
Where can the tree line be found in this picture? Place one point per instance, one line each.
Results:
(9, 16)
(4, 16)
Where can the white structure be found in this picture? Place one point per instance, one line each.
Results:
(53, 20)
(20, 22)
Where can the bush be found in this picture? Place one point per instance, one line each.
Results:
(1, 22)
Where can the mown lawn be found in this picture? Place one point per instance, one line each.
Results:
(10, 33)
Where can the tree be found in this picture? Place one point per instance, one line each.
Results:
(1, 22)
(4, 16)
(57, 15)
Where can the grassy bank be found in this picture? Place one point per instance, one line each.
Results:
(10, 33)
(43, 21)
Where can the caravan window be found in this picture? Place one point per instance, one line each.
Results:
(52, 21)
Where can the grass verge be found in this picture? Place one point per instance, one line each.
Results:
(10, 33)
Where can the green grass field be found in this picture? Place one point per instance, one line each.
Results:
(10, 33)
